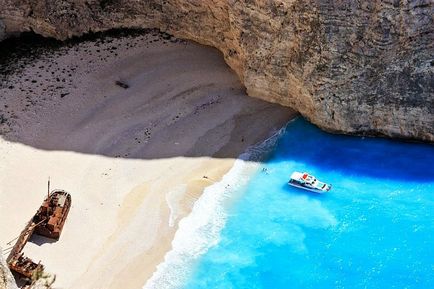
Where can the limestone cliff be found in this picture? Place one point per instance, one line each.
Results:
(354, 66)
(6, 279)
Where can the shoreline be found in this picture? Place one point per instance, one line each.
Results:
(134, 160)
(200, 229)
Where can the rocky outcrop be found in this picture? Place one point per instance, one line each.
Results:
(353, 66)
(6, 279)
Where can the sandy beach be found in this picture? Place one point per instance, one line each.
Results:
(134, 159)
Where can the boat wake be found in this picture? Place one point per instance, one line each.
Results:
(200, 230)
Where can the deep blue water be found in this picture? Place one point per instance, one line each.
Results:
(374, 229)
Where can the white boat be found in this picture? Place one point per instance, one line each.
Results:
(308, 182)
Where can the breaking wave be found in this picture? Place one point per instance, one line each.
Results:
(200, 230)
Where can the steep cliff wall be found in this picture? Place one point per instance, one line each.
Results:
(349, 66)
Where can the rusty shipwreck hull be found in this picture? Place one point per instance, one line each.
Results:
(16, 260)
(51, 216)
(25, 266)
(48, 221)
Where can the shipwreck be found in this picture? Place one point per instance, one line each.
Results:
(48, 222)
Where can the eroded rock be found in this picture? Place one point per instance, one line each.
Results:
(363, 67)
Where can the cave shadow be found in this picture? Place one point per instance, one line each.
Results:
(201, 100)
(204, 107)
(379, 158)
(219, 136)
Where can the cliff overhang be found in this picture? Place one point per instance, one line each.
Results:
(364, 67)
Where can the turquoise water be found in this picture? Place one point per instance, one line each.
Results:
(374, 229)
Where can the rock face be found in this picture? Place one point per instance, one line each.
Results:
(353, 66)
(6, 279)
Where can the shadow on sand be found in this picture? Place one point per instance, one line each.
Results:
(181, 99)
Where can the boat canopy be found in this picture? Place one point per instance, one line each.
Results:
(297, 175)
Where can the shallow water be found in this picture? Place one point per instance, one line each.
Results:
(374, 229)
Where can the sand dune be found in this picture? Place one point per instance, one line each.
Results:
(133, 159)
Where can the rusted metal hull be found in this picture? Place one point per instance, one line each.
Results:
(21, 241)
(48, 221)
(25, 266)
(16, 260)
(52, 214)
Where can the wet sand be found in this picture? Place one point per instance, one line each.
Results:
(134, 159)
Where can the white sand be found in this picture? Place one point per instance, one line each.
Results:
(133, 159)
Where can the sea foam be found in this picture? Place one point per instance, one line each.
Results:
(200, 230)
